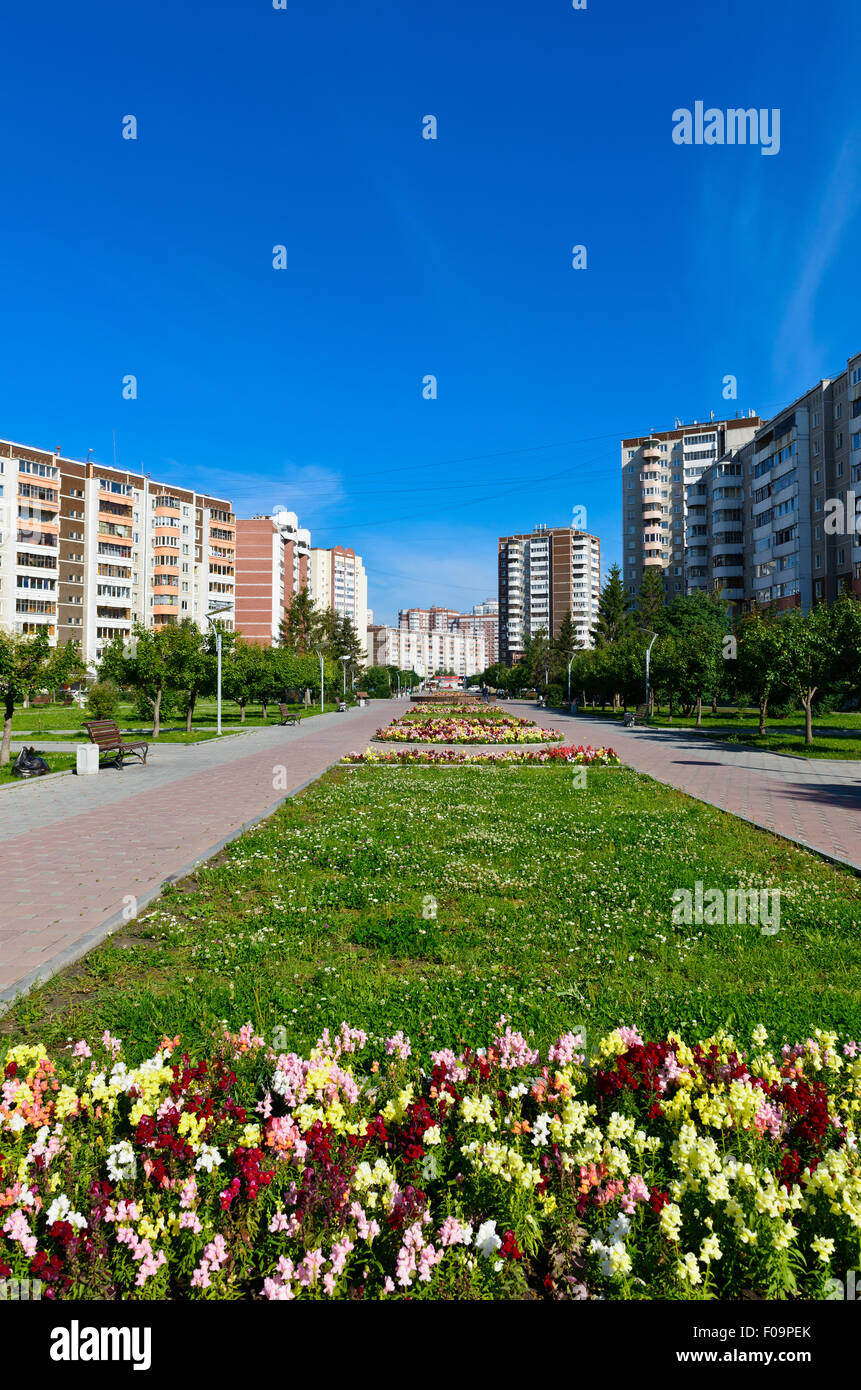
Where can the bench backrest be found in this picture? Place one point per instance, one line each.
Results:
(104, 732)
(283, 710)
(641, 710)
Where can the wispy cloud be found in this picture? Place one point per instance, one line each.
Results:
(798, 354)
(454, 567)
(308, 489)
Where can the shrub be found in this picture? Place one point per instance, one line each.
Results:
(103, 700)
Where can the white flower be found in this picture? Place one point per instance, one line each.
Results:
(60, 1210)
(207, 1159)
(433, 1135)
(487, 1242)
(122, 1162)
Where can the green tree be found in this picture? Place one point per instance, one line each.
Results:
(810, 655)
(562, 649)
(30, 664)
(190, 657)
(614, 611)
(304, 624)
(651, 598)
(760, 670)
(247, 675)
(698, 622)
(142, 667)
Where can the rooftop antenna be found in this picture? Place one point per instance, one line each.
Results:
(115, 448)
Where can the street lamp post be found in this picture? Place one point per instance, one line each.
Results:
(322, 704)
(345, 659)
(215, 608)
(648, 654)
(569, 680)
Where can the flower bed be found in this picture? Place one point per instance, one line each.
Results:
(654, 1170)
(604, 757)
(466, 729)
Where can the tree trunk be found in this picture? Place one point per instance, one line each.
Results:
(699, 711)
(156, 711)
(264, 704)
(5, 752)
(763, 711)
(242, 704)
(807, 702)
(714, 704)
(192, 701)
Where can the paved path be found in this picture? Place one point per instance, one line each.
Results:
(815, 801)
(76, 852)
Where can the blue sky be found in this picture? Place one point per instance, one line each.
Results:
(408, 257)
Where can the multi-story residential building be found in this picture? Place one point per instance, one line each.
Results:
(770, 519)
(117, 546)
(272, 562)
(338, 582)
(542, 576)
(665, 499)
(482, 619)
(427, 651)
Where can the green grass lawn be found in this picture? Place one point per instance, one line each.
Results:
(58, 762)
(69, 719)
(835, 735)
(553, 905)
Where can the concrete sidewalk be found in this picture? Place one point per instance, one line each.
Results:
(78, 853)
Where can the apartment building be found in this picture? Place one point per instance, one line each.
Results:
(338, 582)
(272, 564)
(665, 500)
(542, 576)
(769, 518)
(483, 619)
(427, 651)
(111, 547)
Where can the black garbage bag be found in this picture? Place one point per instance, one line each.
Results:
(29, 764)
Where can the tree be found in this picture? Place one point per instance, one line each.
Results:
(651, 598)
(614, 611)
(535, 662)
(247, 675)
(809, 655)
(378, 682)
(760, 669)
(563, 647)
(30, 663)
(141, 667)
(699, 623)
(305, 625)
(190, 657)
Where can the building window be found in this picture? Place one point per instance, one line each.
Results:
(817, 561)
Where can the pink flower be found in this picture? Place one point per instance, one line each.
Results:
(81, 1050)
(399, 1045)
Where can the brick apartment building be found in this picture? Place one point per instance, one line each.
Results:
(543, 575)
(86, 550)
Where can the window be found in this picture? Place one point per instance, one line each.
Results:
(856, 375)
(815, 419)
(817, 474)
(838, 440)
(816, 448)
(838, 410)
(839, 468)
(841, 557)
(817, 561)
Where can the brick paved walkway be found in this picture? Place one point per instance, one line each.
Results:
(815, 801)
(75, 851)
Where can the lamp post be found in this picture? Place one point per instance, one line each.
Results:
(322, 704)
(570, 663)
(648, 654)
(216, 607)
(345, 659)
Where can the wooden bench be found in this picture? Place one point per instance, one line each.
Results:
(287, 717)
(106, 735)
(638, 717)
